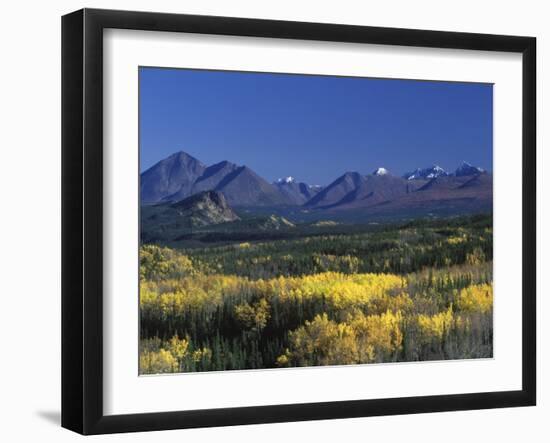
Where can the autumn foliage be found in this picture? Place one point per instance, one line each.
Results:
(404, 294)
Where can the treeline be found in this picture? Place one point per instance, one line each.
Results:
(400, 251)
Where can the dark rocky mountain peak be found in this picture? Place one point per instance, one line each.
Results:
(170, 221)
(205, 208)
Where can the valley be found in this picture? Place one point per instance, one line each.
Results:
(326, 295)
(239, 273)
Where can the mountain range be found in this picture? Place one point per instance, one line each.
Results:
(296, 193)
(468, 189)
(181, 175)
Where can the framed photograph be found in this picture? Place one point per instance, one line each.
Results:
(268, 221)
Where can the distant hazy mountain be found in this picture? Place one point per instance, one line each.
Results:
(426, 173)
(353, 190)
(239, 184)
(444, 183)
(176, 173)
(336, 191)
(480, 181)
(444, 194)
(181, 175)
(296, 192)
(424, 189)
(467, 169)
(243, 187)
(376, 189)
(211, 177)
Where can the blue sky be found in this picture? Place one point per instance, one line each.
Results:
(314, 128)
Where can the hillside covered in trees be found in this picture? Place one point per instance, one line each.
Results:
(322, 296)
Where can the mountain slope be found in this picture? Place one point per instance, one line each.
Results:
(443, 195)
(181, 176)
(339, 190)
(443, 183)
(209, 179)
(243, 187)
(376, 189)
(296, 193)
(176, 173)
(166, 221)
(382, 194)
(205, 208)
(426, 173)
(466, 169)
(352, 190)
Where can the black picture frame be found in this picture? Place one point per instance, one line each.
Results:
(82, 215)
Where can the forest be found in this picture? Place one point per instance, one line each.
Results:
(399, 292)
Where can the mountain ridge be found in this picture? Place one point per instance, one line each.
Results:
(180, 176)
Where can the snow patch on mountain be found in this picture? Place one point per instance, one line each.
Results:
(426, 173)
(285, 180)
(381, 171)
(467, 169)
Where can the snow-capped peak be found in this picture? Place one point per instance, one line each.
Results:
(429, 173)
(467, 169)
(380, 171)
(436, 171)
(286, 180)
